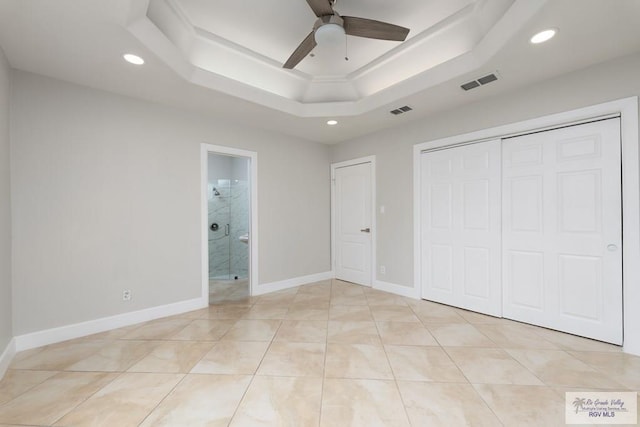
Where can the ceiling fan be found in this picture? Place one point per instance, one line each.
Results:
(330, 21)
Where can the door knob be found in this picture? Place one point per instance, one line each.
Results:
(612, 247)
(366, 230)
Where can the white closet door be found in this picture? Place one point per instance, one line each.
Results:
(461, 227)
(562, 230)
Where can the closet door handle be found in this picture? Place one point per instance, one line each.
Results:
(226, 229)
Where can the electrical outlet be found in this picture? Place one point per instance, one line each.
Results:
(383, 269)
(126, 295)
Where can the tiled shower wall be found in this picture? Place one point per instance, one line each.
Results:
(239, 226)
(228, 256)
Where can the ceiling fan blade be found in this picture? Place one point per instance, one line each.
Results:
(372, 29)
(321, 7)
(301, 51)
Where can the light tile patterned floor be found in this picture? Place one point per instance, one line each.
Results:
(329, 354)
(221, 291)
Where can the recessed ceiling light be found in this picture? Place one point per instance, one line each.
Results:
(133, 59)
(332, 122)
(543, 36)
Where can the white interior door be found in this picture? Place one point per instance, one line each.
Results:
(353, 223)
(461, 227)
(562, 230)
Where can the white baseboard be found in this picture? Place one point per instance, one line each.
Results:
(392, 288)
(6, 356)
(291, 283)
(77, 330)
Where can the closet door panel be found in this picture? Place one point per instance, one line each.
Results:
(562, 229)
(461, 227)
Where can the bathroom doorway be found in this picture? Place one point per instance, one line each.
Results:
(228, 225)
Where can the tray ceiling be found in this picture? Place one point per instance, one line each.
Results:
(82, 42)
(239, 48)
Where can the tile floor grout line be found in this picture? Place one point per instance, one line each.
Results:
(253, 377)
(495, 414)
(170, 392)
(598, 369)
(492, 348)
(395, 378)
(566, 352)
(202, 357)
(88, 396)
(326, 351)
(30, 388)
(525, 367)
(444, 350)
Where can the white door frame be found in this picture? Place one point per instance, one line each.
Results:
(252, 156)
(627, 109)
(346, 163)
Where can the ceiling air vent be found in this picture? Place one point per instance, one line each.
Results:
(487, 79)
(401, 110)
(481, 81)
(470, 85)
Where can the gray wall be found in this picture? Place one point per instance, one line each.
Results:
(107, 197)
(5, 208)
(605, 82)
(106, 191)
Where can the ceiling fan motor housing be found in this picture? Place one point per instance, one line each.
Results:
(328, 19)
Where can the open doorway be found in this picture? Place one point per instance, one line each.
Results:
(228, 221)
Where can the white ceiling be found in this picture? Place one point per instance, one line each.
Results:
(282, 28)
(241, 51)
(82, 41)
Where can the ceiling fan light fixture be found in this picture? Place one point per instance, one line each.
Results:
(329, 34)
